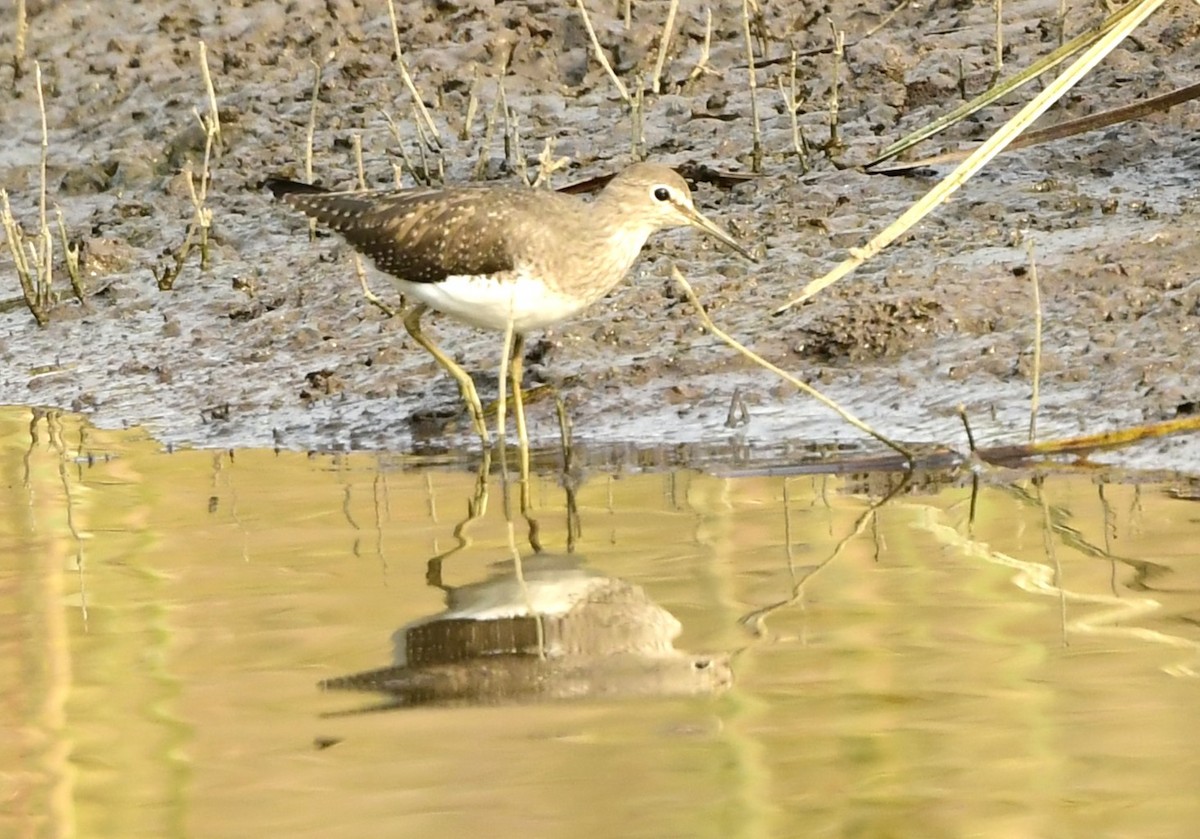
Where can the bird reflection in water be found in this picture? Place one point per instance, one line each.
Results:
(567, 633)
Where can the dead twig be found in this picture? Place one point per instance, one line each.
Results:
(197, 234)
(601, 57)
(791, 101)
(33, 257)
(788, 377)
(418, 103)
(1037, 338)
(19, 37)
(702, 67)
(834, 143)
(756, 152)
(664, 44)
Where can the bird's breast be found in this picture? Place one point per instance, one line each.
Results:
(490, 302)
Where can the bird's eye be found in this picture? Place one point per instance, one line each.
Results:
(661, 193)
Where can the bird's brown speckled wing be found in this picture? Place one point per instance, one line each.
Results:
(422, 236)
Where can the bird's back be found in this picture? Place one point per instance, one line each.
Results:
(485, 255)
(427, 235)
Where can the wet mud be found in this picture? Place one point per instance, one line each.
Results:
(273, 344)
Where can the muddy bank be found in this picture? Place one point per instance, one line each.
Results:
(274, 344)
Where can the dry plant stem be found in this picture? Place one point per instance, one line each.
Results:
(371, 297)
(759, 26)
(212, 142)
(756, 153)
(421, 142)
(70, 257)
(788, 377)
(512, 139)
(508, 127)
(994, 145)
(203, 214)
(434, 148)
(166, 278)
(999, 37)
(600, 56)
(312, 122)
(839, 50)
(792, 103)
(13, 236)
(18, 59)
(548, 164)
(360, 269)
(212, 93)
(1037, 339)
(34, 259)
(359, 169)
(664, 44)
(26, 271)
(1106, 440)
(886, 20)
(202, 218)
(636, 111)
(489, 132)
(308, 140)
(420, 176)
(407, 79)
(702, 67)
(46, 269)
(472, 107)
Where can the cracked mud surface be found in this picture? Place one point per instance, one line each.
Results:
(274, 345)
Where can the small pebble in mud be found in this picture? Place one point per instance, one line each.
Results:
(321, 383)
(87, 178)
(84, 401)
(684, 394)
(216, 413)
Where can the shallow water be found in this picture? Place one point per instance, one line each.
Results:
(1016, 661)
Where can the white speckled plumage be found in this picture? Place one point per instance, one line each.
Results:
(482, 254)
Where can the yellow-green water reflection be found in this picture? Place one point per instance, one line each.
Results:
(919, 671)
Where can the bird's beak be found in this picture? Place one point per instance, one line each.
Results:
(698, 220)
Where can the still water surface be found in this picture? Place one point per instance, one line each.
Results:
(1017, 662)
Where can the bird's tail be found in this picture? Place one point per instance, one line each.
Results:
(282, 186)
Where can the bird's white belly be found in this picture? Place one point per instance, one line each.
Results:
(490, 303)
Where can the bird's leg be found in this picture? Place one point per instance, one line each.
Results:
(570, 477)
(516, 373)
(476, 510)
(412, 322)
